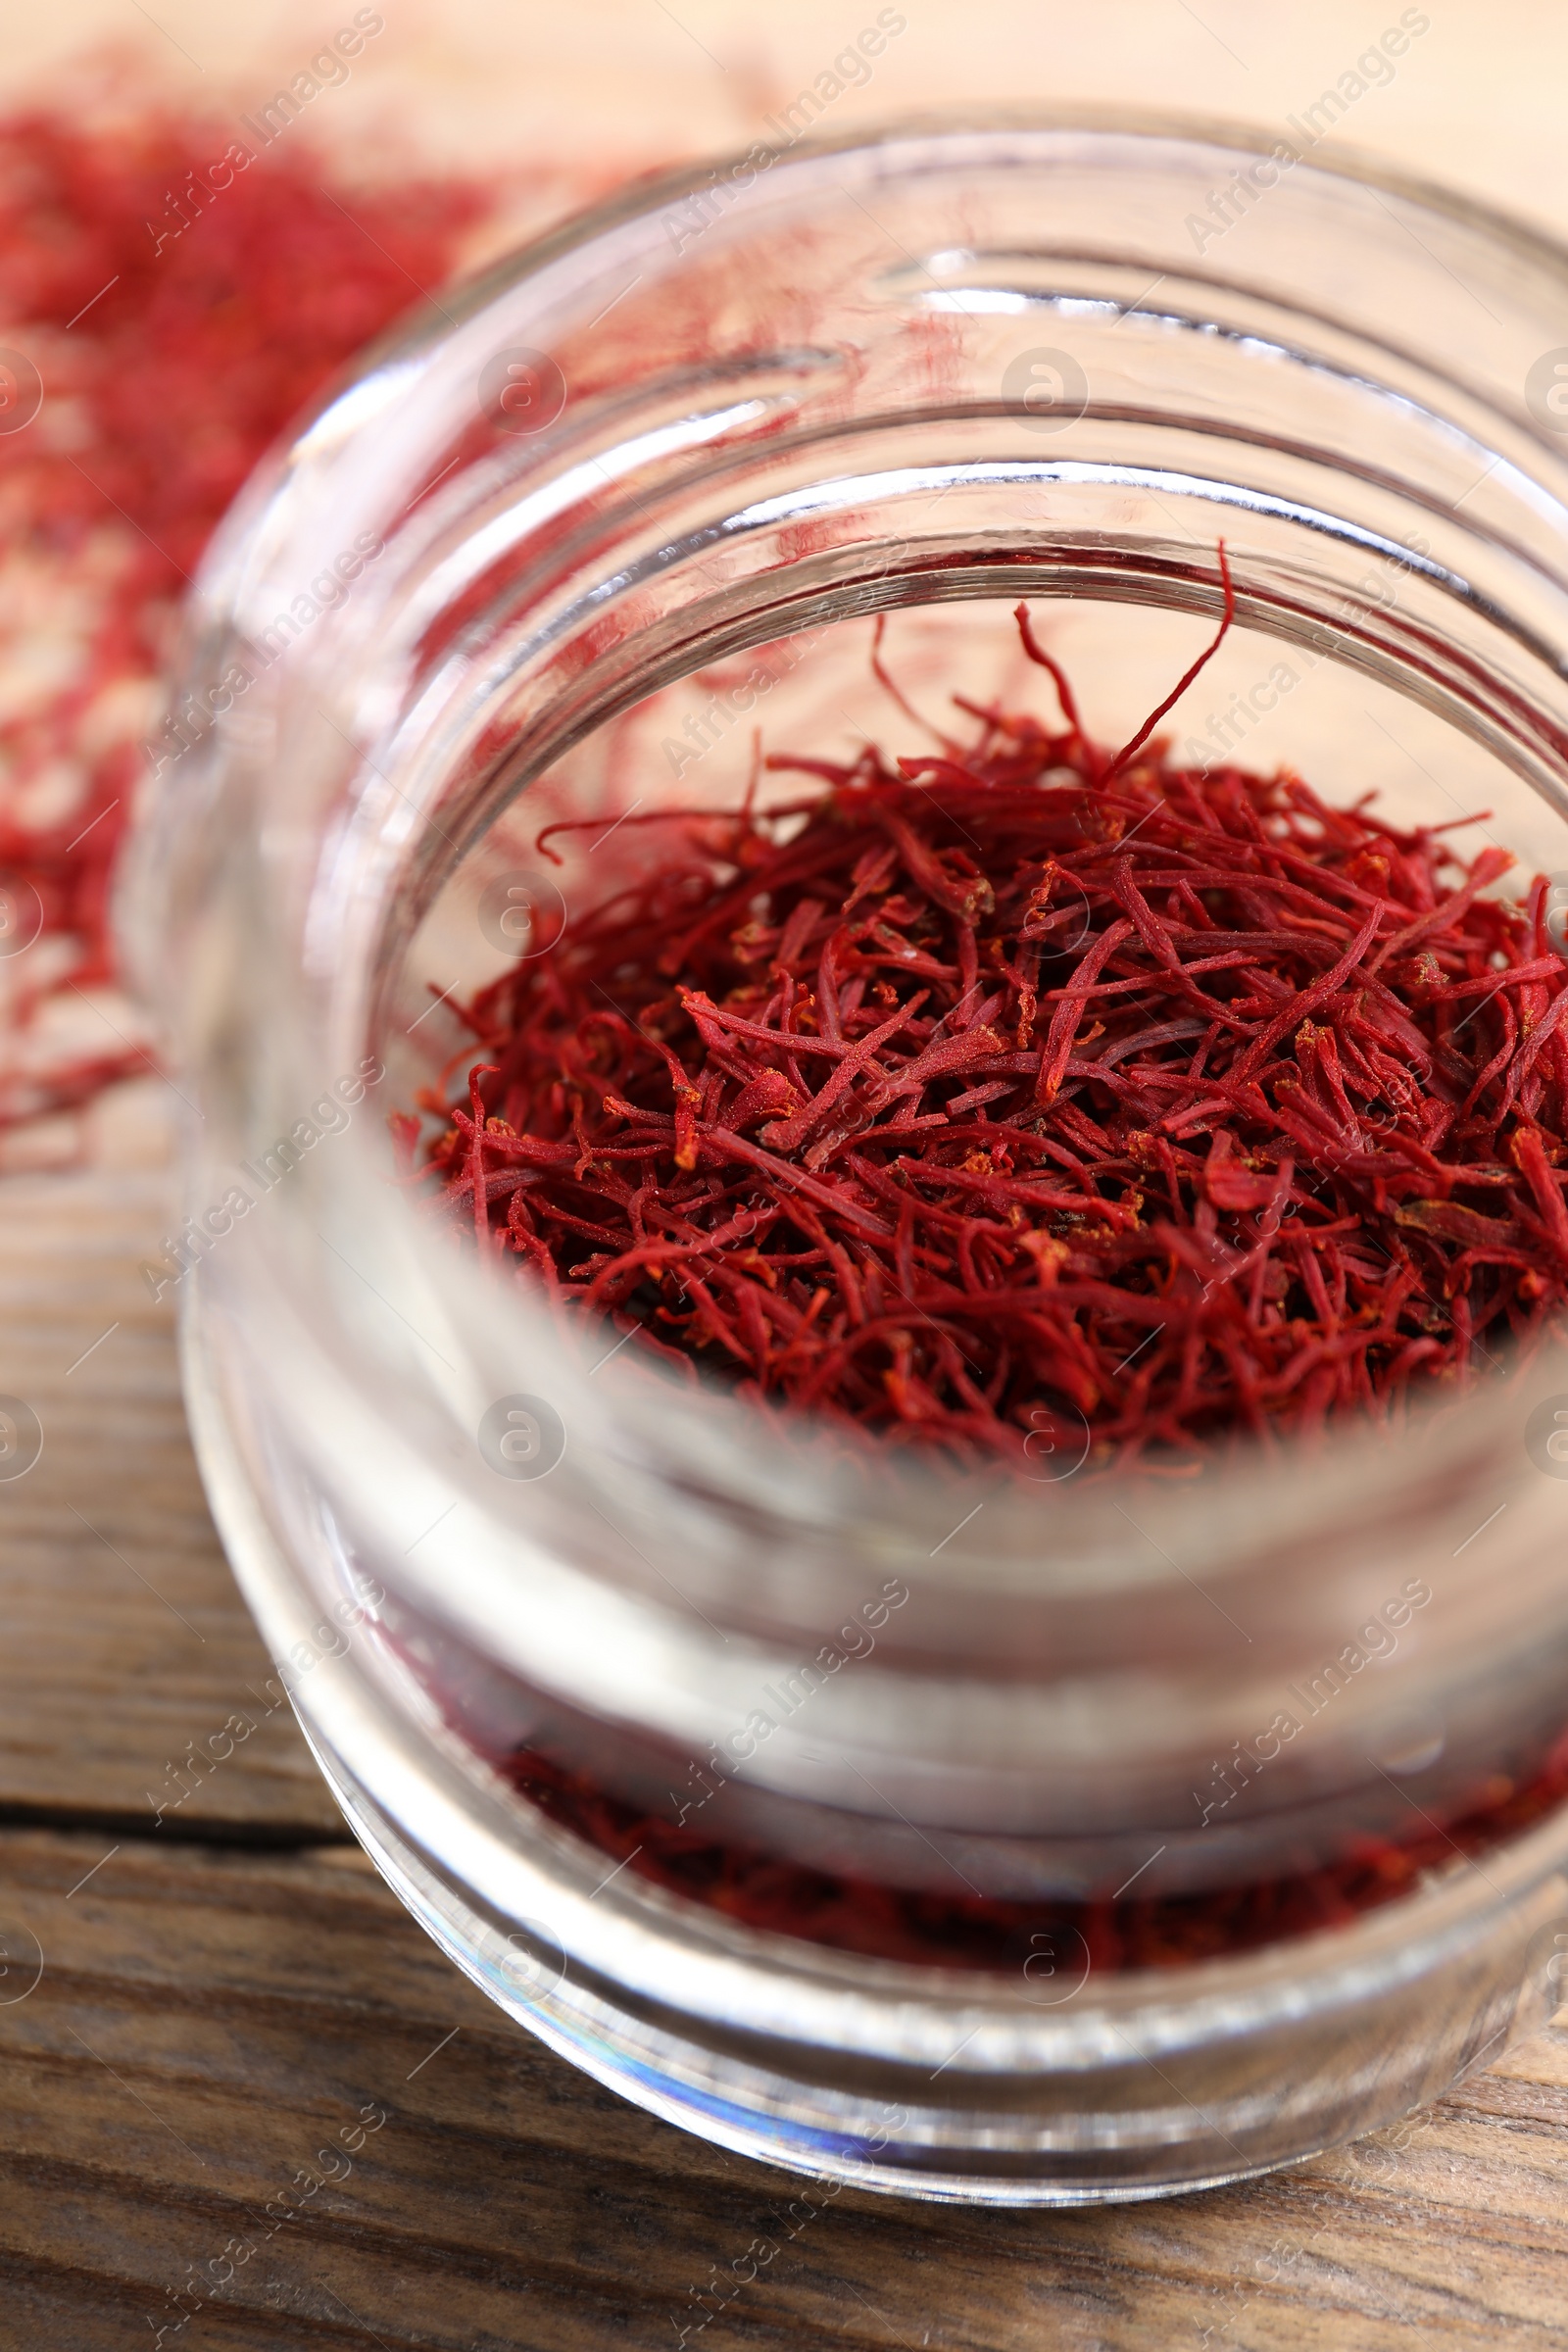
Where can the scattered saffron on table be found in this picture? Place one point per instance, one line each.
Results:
(179, 306)
(1026, 1093)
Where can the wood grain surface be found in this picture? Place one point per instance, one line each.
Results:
(214, 2033)
(244, 2101)
(124, 1636)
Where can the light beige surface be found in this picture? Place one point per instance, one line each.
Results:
(618, 84)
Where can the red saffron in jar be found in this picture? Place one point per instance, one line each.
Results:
(985, 1099)
(1032, 1083)
(171, 295)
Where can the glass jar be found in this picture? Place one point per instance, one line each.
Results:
(591, 1658)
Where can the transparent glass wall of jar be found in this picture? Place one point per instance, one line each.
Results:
(701, 437)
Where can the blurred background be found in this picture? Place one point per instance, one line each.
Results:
(620, 84)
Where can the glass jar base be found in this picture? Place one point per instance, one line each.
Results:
(915, 2080)
(622, 2064)
(1063, 2153)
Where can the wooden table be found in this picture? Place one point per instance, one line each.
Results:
(200, 2016)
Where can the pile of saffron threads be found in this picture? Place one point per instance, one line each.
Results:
(1021, 1090)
